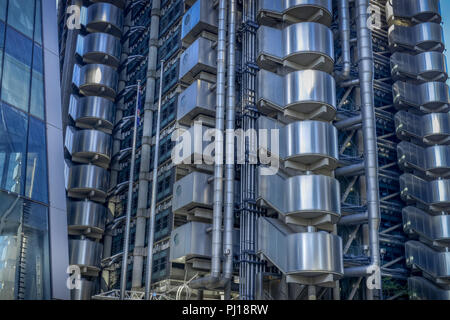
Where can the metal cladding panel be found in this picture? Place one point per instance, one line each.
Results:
(427, 97)
(422, 37)
(118, 3)
(435, 194)
(307, 196)
(86, 253)
(419, 10)
(299, 254)
(88, 181)
(106, 18)
(92, 112)
(198, 99)
(86, 214)
(102, 48)
(98, 80)
(89, 146)
(192, 191)
(434, 263)
(422, 289)
(270, 42)
(423, 67)
(434, 228)
(202, 16)
(431, 161)
(193, 145)
(292, 138)
(199, 57)
(429, 129)
(304, 92)
(87, 289)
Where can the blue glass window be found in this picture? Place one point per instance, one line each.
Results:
(37, 84)
(13, 130)
(21, 16)
(36, 182)
(17, 69)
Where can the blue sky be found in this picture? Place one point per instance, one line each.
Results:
(445, 10)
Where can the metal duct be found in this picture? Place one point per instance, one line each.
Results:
(344, 31)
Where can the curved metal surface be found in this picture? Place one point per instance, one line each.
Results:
(306, 45)
(92, 113)
(86, 214)
(305, 258)
(321, 151)
(87, 289)
(193, 191)
(436, 264)
(422, 37)
(85, 253)
(435, 229)
(427, 97)
(201, 56)
(417, 11)
(198, 99)
(202, 16)
(429, 129)
(89, 146)
(88, 182)
(420, 68)
(104, 17)
(102, 48)
(307, 197)
(98, 80)
(118, 3)
(435, 195)
(272, 12)
(422, 289)
(307, 94)
(430, 162)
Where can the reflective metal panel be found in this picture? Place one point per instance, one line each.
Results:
(422, 289)
(88, 182)
(436, 229)
(422, 37)
(92, 113)
(198, 99)
(303, 257)
(85, 292)
(307, 196)
(98, 80)
(106, 18)
(433, 194)
(305, 45)
(420, 68)
(416, 10)
(192, 191)
(102, 48)
(430, 162)
(427, 97)
(199, 57)
(434, 263)
(429, 129)
(89, 146)
(202, 16)
(307, 94)
(117, 3)
(311, 144)
(85, 253)
(86, 214)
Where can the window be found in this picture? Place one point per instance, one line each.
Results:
(13, 130)
(37, 84)
(16, 70)
(38, 23)
(36, 181)
(21, 16)
(3, 10)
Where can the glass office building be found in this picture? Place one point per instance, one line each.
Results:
(31, 153)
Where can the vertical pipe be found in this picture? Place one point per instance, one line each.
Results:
(218, 166)
(344, 30)
(366, 65)
(123, 275)
(229, 166)
(151, 231)
(141, 219)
